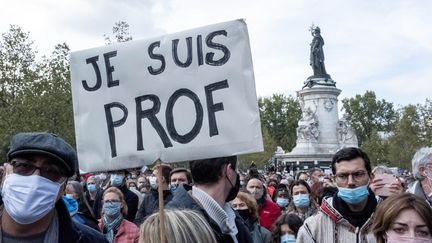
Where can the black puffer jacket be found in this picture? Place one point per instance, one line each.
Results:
(150, 204)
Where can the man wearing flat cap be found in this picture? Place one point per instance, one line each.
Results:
(33, 184)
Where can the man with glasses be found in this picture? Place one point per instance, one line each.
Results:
(347, 216)
(33, 184)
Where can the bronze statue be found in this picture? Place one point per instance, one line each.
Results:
(317, 53)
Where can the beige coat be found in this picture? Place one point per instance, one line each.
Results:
(328, 226)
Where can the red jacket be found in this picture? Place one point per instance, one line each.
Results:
(127, 232)
(268, 213)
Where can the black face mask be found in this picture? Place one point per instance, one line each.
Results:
(234, 190)
(244, 213)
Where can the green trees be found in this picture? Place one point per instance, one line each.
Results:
(279, 116)
(34, 95)
(389, 136)
(366, 114)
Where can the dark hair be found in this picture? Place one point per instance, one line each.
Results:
(208, 171)
(348, 154)
(300, 183)
(312, 196)
(324, 192)
(291, 219)
(184, 170)
(166, 169)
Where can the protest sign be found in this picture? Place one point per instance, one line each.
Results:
(183, 96)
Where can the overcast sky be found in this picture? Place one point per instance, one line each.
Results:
(384, 46)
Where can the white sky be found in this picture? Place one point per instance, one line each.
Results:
(384, 46)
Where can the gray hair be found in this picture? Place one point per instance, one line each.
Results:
(95, 178)
(420, 159)
(382, 169)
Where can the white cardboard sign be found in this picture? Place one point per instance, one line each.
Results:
(183, 96)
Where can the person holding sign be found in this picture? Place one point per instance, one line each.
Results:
(150, 203)
(216, 182)
(35, 176)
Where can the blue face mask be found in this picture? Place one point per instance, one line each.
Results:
(112, 209)
(301, 200)
(353, 195)
(91, 187)
(173, 188)
(116, 180)
(282, 202)
(288, 238)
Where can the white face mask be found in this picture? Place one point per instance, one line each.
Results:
(153, 182)
(29, 198)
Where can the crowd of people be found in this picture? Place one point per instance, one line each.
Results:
(44, 199)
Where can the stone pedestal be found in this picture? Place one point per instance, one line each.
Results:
(320, 133)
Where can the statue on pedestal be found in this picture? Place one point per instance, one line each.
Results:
(317, 53)
(320, 75)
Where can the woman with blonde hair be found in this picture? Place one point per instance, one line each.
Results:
(247, 207)
(181, 226)
(112, 224)
(403, 217)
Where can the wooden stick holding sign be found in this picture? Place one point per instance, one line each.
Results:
(161, 202)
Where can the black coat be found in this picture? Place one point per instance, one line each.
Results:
(183, 200)
(131, 201)
(97, 203)
(150, 204)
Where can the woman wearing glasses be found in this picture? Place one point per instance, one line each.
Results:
(112, 224)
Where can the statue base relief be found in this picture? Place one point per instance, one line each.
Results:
(320, 132)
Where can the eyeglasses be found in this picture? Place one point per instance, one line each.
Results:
(356, 176)
(50, 172)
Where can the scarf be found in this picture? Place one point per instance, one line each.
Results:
(111, 227)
